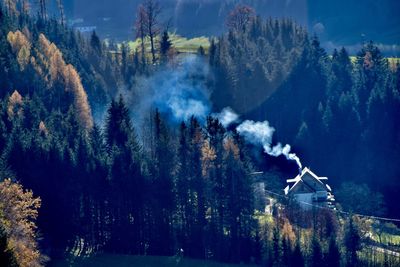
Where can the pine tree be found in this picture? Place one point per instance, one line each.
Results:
(352, 243)
(276, 247)
(333, 256)
(118, 124)
(96, 43)
(286, 251)
(127, 181)
(316, 254)
(183, 188)
(165, 46)
(215, 135)
(297, 259)
(199, 189)
(201, 51)
(162, 190)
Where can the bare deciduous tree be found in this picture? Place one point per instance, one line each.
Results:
(61, 10)
(140, 28)
(43, 9)
(153, 11)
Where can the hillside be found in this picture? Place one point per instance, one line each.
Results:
(257, 146)
(336, 22)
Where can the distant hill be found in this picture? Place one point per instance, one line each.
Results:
(337, 22)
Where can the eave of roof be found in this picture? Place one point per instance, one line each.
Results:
(298, 178)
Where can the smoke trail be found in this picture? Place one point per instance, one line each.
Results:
(179, 92)
(261, 133)
(227, 116)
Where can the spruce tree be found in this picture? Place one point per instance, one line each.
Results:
(352, 242)
(199, 188)
(333, 255)
(276, 247)
(297, 259)
(162, 188)
(165, 46)
(316, 254)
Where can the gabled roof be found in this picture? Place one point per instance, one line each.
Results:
(307, 182)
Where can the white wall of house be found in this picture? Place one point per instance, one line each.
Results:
(304, 198)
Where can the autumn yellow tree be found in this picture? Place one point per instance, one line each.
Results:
(21, 47)
(14, 107)
(51, 60)
(43, 129)
(18, 213)
(50, 65)
(74, 84)
(208, 155)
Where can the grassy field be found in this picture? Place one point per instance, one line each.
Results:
(181, 44)
(392, 60)
(185, 45)
(387, 239)
(107, 260)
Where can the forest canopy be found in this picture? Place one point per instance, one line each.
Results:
(108, 149)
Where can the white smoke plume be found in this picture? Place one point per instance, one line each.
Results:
(261, 133)
(181, 92)
(178, 91)
(227, 116)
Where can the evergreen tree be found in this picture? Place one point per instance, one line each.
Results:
(286, 251)
(162, 188)
(184, 189)
(199, 189)
(165, 46)
(201, 51)
(118, 124)
(276, 247)
(352, 243)
(215, 133)
(297, 259)
(316, 254)
(95, 43)
(333, 256)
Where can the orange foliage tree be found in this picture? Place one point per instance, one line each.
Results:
(51, 64)
(18, 212)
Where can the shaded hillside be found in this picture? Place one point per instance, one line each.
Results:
(163, 177)
(341, 117)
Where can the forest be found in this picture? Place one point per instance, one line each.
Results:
(152, 151)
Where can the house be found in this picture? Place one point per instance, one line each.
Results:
(310, 190)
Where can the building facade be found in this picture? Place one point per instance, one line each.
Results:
(310, 190)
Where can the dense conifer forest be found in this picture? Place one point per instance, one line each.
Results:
(105, 149)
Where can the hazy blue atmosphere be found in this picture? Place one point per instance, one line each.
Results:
(216, 133)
